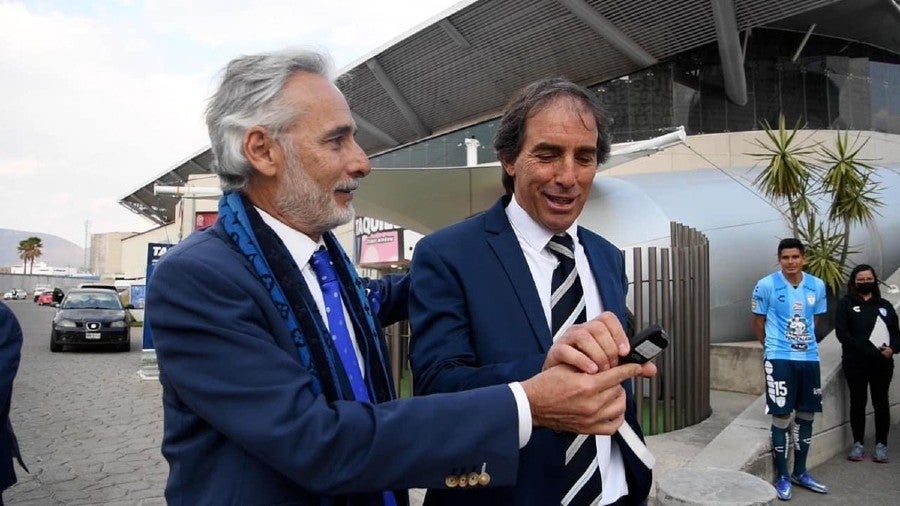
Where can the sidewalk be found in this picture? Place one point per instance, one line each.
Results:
(858, 482)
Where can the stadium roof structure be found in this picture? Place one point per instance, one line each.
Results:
(462, 66)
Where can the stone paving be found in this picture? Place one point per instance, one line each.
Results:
(89, 428)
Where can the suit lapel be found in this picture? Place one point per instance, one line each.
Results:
(502, 240)
(610, 288)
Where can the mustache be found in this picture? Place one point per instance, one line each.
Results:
(348, 186)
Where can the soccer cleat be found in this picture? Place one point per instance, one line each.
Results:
(783, 488)
(856, 452)
(807, 481)
(881, 455)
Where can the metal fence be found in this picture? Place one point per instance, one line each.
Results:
(671, 289)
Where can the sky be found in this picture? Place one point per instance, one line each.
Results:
(99, 97)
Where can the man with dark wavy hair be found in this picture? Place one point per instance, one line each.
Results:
(492, 295)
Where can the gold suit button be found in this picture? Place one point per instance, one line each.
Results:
(463, 481)
(484, 479)
(450, 481)
(473, 479)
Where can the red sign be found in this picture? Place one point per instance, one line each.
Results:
(205, 219)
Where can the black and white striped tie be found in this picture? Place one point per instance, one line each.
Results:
(581, 476)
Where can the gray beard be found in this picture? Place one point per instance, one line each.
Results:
(301, 201)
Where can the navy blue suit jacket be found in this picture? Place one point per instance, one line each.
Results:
(10, 349)
(241, 424)
(477, 320)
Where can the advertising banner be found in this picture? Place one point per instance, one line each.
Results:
(379, 248)
(155, 251)
(378, 243)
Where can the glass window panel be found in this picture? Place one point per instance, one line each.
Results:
(614, 97)
(715, 107)
(885, 96)
(686, 98)
(743, 117)
(437, 151)
(456, 149)
(792, 93)
(650, 103)
(766, 87)
(815, 87)
(417, 154)
(849, 102)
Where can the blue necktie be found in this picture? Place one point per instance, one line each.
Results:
(337, 325)
(334, 309)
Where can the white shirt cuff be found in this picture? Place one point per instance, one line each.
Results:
(524, 409)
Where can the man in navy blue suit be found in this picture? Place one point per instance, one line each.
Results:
(276, 384)
(10, 349)
(481, 301)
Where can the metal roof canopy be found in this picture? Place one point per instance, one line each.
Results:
(462, 66)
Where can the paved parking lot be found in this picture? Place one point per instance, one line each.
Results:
(88, 426)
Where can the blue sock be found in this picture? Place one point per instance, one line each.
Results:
(802, 438)
(780, 450)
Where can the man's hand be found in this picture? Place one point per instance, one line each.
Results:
(565, 399)
(887, 352)
(593, 346)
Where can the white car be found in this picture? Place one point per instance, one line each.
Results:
(15, 294)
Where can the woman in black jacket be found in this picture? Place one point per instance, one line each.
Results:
(866, 325)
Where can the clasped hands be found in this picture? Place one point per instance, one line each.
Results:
(579, 388)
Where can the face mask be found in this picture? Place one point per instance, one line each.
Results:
(865, 288)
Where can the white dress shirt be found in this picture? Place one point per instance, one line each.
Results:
(533, 239)
(301, 249)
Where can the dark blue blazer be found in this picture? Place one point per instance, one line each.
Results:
(477, 320)
(242, 426)
(10, 349)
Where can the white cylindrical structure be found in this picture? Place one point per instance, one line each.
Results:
(472, 146)
(742, 226)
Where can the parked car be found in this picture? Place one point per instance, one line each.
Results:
(39, 289)
(15, 294)
(90, 317)
(45, 298)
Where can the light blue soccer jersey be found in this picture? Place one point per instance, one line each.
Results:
(790, 313)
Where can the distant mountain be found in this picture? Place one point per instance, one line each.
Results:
(56, 252)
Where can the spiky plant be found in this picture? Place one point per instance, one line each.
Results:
(788, 171)
(824, 243)
(847, 181)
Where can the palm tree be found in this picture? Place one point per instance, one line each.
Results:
(29, 249)
(847, 180)
(788, 172)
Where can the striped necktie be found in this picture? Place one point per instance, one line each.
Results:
(581, 476)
